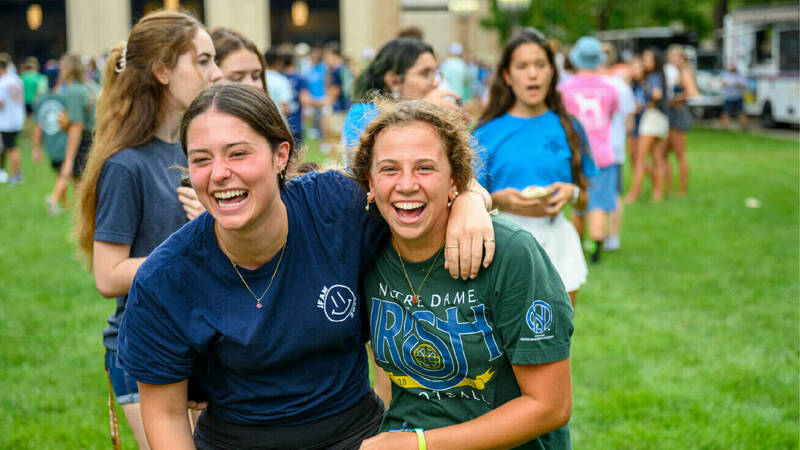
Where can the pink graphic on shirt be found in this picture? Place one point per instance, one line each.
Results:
(593, 101)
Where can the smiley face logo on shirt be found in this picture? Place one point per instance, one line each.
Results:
(338, 302)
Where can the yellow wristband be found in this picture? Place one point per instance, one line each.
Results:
(421, 439)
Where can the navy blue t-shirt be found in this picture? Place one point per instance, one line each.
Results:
(137, 205)
(301, 356)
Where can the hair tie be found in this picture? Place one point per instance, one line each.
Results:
(121, 63)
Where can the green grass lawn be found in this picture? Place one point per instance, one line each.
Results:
(686, 338)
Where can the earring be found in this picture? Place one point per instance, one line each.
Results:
(450, 201)
(366, 208)
(396, 94)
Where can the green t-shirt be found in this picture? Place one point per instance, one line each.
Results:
(34, 83)
(449, 354)
(46, 109)
(80, 100)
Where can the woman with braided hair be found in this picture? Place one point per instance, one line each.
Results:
(535, 155)
(127, 201)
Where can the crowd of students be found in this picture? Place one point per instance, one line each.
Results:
(246, 288)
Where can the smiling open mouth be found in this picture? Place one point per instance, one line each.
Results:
(408, 210)
(230, 198)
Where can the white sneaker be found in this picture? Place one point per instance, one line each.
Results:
(611, 243)
(53, 209)
(3, 176)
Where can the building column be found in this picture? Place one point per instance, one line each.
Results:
(93, 27)
(248, 17)
(369, 23)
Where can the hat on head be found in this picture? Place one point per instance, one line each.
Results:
(587, 53)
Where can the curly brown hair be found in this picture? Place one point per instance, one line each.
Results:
(449, 125)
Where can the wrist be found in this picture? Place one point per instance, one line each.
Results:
(576, 194)
(485, 199)
(421, 445)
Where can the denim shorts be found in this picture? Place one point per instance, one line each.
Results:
(603, 187)
(125, 388)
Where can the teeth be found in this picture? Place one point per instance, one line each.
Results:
(408, 205)
(228, 194)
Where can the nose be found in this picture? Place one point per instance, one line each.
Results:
(407, 183)
(219, 171)
(216, 73)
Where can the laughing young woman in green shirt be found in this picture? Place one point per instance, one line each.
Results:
(478, 363)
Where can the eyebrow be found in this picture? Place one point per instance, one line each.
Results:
(418, 161)
(225, 147)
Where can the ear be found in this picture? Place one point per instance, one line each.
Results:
(453, 190)
(370, 194)
(161, 73)
(392, 80)
(282, 156)
(506, 77)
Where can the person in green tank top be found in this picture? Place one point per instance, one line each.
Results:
(473, 363)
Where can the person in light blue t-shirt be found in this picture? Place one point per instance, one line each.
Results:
(404, 68)
(535, 158)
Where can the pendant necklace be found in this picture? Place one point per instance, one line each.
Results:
(280, 258)
(415, 293)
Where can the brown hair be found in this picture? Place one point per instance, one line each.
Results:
(72, 70)
(131, 103)
(449, 125)
(247, 103)
(227, 41)
(501, 99)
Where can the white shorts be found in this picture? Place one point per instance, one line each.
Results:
(654, 123)
(562, 244)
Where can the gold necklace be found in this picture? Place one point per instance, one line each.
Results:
(280, 258)
(415, 294)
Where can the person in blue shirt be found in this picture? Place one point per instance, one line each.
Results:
(258, 298)
(127, 199)
(300, 95)
(535, 156)
(404, 68)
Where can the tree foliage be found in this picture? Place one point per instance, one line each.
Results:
(568, 20)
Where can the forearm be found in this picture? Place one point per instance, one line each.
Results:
(508, 426)
(73, 142)
(37, 136)
(165, 420)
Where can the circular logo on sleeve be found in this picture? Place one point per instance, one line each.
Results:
(540, 316)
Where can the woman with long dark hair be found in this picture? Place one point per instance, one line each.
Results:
(534, 153)
(404, 68)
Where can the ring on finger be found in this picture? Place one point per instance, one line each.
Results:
(451, 246)
(487, 240)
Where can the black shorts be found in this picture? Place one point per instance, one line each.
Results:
(29, 108)
(83, 154)
(341, 431)
(9, 139)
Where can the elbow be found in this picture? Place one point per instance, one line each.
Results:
(563, 414)
(105, 287)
